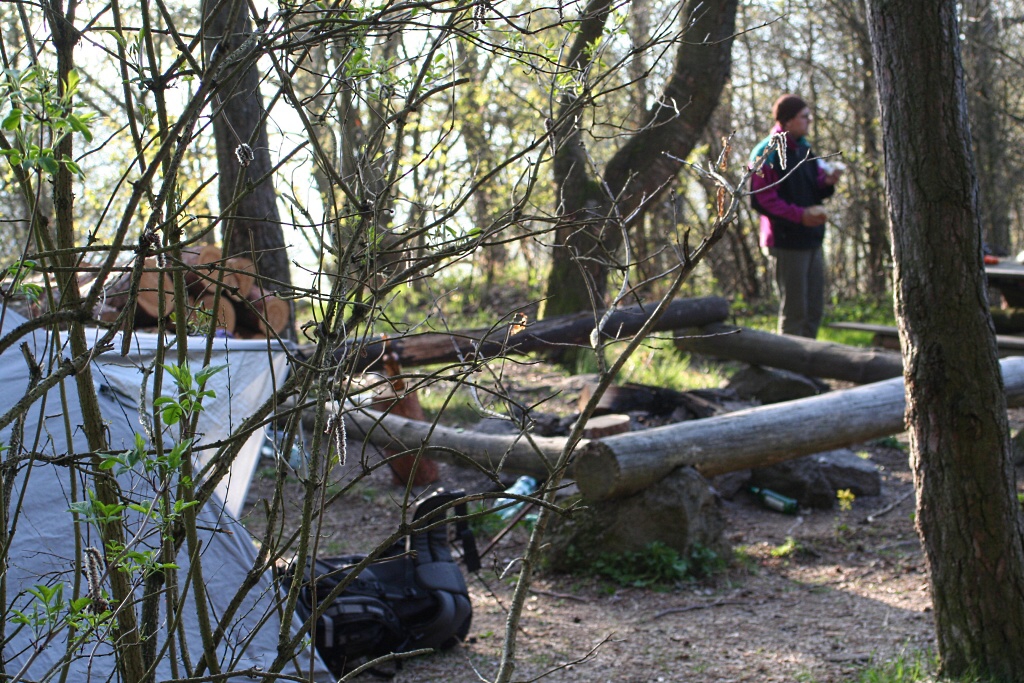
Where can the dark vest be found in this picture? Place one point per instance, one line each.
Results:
(799, 185)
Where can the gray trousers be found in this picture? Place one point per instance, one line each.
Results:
(800, 275)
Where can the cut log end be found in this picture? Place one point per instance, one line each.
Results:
(605, 425)
(203, 308)
(262, 313)
(596, 471)
(148, 304)
(207, 267)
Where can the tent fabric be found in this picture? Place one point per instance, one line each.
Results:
(254, 369)
(43, 550)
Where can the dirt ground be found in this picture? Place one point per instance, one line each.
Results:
(848, 593)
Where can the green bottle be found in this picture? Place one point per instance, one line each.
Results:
(776, 501)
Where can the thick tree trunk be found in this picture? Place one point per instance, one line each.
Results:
(252, 226)
(591, 230)
(796, 354)
(967, 513)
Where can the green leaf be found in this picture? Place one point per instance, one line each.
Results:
(118, 37)
(71, 85)
(208, 372)
(175, 456)
(171, 415)
(49, 165)
(82, 507)
(78, 124)
(13, 156)
(12, 121)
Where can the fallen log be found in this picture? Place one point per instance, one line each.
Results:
(512, 454)
(626, 463)
(796, 354)
(543, 335)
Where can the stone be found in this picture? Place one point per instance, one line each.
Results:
(813, 480)
(731, 483)
(770, 385)
(682, 511)
(800, 478)
(844, 469)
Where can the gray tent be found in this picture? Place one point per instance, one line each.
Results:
(45, 551)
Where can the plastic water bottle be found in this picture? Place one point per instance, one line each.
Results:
(775, 501)
(524, 486)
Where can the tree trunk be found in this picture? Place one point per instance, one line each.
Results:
(591, 228)
(967, 512)
(252, 225)
(757, 437)
(544, 336)
(623, 464)
(877, 232)
(981, 51)
(796, 354)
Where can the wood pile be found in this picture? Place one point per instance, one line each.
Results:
(243, 309)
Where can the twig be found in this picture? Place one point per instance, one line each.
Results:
(888, 508)
(560, 596)
(691, 608)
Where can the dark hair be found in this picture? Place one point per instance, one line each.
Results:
(787, 107)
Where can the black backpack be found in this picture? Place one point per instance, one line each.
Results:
(404, 601)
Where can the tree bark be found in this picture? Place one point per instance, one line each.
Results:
(967, 513)
(592, 226)
(796, 354)
(623, 464)
(981, 51)
(546, 335)
(253, 227)
(516, 454)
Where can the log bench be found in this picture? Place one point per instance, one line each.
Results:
(887, 337)
(884, 336)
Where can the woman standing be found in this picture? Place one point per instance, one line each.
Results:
(788, 192)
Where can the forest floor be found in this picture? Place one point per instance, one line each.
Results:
(815, 597)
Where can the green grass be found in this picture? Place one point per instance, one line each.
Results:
(657, 362)
(459, 409)
(862, 310)
(916, 667)
(788, 549)
(656, 566)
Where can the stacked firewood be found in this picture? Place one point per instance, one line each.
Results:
(243, 309)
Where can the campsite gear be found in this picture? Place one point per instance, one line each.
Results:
(46, 539)
(413, 597)
(524, 486)
(775, 501)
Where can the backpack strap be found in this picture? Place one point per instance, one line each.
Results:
(432, 546)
